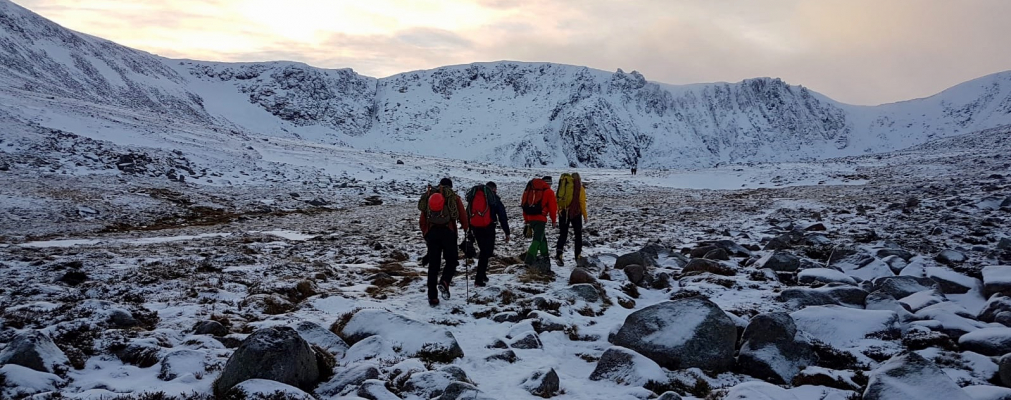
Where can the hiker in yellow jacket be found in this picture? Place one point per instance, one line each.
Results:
(571, 209)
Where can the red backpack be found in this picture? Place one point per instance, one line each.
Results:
(533, 197)
(479, 202)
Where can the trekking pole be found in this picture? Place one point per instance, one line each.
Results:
(466, 267)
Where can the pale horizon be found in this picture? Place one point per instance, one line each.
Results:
(859, 52)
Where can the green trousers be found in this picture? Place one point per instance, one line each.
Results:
(540, 243)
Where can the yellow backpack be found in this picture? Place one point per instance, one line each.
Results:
(564, 192)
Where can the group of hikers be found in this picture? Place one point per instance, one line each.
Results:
(442, 210)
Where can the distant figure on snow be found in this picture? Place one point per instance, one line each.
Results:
(440, 210)
(538, 204)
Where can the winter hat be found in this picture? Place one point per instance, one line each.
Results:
(446, 182)
(547, 179)
(492, 185)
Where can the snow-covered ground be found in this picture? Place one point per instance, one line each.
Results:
(119, 269)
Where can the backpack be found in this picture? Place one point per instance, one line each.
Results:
(447, 214)
(564, 193)
(533, 197)
(480, 200)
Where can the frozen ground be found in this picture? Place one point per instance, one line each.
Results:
(79, 248)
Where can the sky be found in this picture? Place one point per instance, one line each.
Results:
(855, 51)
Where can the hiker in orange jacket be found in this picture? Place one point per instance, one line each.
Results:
(538, 204)
(442, 209)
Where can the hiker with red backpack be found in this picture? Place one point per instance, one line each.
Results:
(538, 204)
(484, 208)
(571, 196)
(441, 209)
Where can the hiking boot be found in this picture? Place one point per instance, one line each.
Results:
(433, 301)
(444, 290)
(558, 259)
(481, 282)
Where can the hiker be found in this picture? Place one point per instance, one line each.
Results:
(571, 209)
(538, 204)
(440, 210)
(484, 209)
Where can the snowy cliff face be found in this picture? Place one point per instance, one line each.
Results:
(512, 113)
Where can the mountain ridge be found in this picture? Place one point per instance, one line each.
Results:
(512, 113)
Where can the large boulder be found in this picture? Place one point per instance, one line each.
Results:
(910, 376)
(770, 350)
(636, 258)
(902, 286)
(948, 318)
(997, 279)
(684, 333)
(843, 326)
(626, 367)
(952, 282)
(416, 339)
(276, 354)
(832, 294)
(35, 350)
(779, 261)
(992, 342)
(995, 305)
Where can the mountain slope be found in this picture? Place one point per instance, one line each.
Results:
(511, 113)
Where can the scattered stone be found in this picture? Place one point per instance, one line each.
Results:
(758, 390)
(902, 286)
(992, 342)
(526, 341)
(266, 389)
(580, 275)
(375, 389)
(181, 362)
(213, 328)
(504, 355)
(420, 339)
(543, 383)
(997, 279)
(831, 294)
(950, 257)
(638, 258)
(717, 254)
(770, 351)
(824, 275)
(73, 278)
(351, 377)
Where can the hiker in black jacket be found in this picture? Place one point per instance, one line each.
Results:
(485, 237)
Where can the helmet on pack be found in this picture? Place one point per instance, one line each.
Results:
(436, 202)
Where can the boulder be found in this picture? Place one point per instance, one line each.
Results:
(710, 266)
(684, 333)
(948, 318)
(638, 258)
(581, 292)
(591, 264)
(950, 257)
(626, 367)
(345, 379)
(988, 392)
(461, 391)
(416, 339)
(1004, 370)
(910, 376)
(508, 356)
(17, 382)
(843, 326)
(526, 341)
(542, 383)
(824, 275)
(995, 305)
(885, 301)
(779, 261)
(320, 336)
(213, 328)
(636, 273)
(717, 254)
(37, 351)
(275, 353)
(831, 294)
(758, 390)
(951, 282)
(580, 275)
(770, 350)
(902, 286)
(181, 362)
(266, 389)
(997, 279)
(920, 300)
(375, 389)
(992, 342)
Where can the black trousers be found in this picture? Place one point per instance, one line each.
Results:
(485, 238)
(441, 244)
(563, 232)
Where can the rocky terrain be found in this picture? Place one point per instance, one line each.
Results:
(806, 292)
